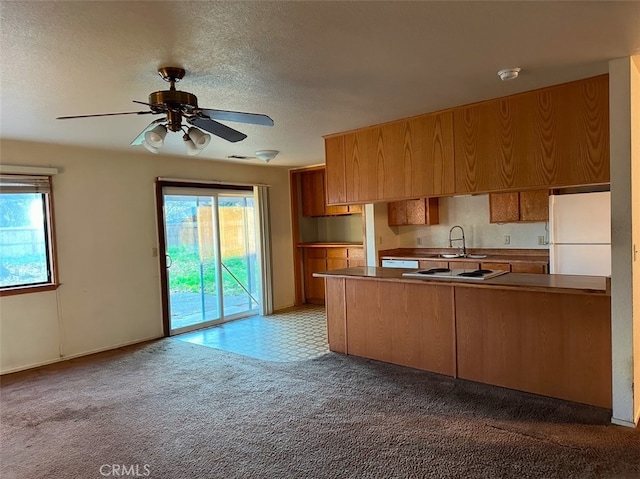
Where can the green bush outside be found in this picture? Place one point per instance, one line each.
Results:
(184, 274)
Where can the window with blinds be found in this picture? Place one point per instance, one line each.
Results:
(26, 253)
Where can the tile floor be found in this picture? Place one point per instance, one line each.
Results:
(292, 334)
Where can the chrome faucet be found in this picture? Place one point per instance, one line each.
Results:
(463, 250)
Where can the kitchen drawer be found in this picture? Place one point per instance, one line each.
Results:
(529, 268)
(355, 253)
(336, 252)
(316, 253)
(497, 266)
(426, 264)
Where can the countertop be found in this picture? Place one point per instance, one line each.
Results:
(494, 255)
(329, 244)
(555, 283)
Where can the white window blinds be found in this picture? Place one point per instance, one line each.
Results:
(25, 184)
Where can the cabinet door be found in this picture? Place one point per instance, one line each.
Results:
(388, 164)
(491, 145)
(335, 170)
(504, 207)
(356, 257)
(423, 211)
(464, 265)
(572, 133)
(361, 154)
(397, 213)
(534, 205)
(337, 258)
(556, 136)
(428, 160)
(416, 212)
(312, 192)
(314, 262)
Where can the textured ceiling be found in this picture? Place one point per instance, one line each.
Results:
(314, 67)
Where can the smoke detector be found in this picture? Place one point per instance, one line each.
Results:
(509, 74)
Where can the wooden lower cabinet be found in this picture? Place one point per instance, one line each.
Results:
(318, 259)
(401, 323)
(552, 344)
(530, 268)
(315, 261)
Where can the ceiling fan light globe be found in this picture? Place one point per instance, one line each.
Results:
(151, 148)
(199, 138)
(155, 137)
(191, 147)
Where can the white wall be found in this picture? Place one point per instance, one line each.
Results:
(472, 213)
(105, 218)
(623, 90)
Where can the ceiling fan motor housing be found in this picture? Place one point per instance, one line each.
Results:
(175, 103)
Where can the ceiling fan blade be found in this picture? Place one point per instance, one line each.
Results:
(105, 114)
(237, 116)
(140, 138)
(217, 129)
(157, 106)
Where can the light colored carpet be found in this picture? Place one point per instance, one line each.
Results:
(187, 411)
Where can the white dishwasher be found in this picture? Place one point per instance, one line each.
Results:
(400, 263)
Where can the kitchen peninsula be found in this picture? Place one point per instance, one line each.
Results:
(544, 334)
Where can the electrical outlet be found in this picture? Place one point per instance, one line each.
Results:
(507, 239)
(380, 240)
(541, 240)
(419, 241)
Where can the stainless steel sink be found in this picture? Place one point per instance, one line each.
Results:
(469, 256)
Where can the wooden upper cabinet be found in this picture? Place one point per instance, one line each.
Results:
(423, 211)
(428, 161)
(504, 207)
(361, 158)
(547, 138)
(519, 207)
(402, 159)
(336, 191)
(534, 205)
(556, 136)
(312, 189)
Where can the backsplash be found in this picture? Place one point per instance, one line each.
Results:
(470, 212)
(346, 228)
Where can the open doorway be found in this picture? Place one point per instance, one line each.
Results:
(211, 249)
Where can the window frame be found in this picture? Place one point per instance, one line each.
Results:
(49, 223)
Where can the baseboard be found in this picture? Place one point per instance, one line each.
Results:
(622, 422)
(77, 355)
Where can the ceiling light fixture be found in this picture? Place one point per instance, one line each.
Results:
(155, 136)
(266, 155)
(152, 149)
(192, 149)
(199, 139)
(509, 74)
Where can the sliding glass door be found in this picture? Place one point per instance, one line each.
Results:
(212, 273)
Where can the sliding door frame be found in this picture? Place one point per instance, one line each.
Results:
(162, 246)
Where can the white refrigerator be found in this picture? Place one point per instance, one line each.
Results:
(580, 234)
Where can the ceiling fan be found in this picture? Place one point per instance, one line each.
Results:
(176, 105)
